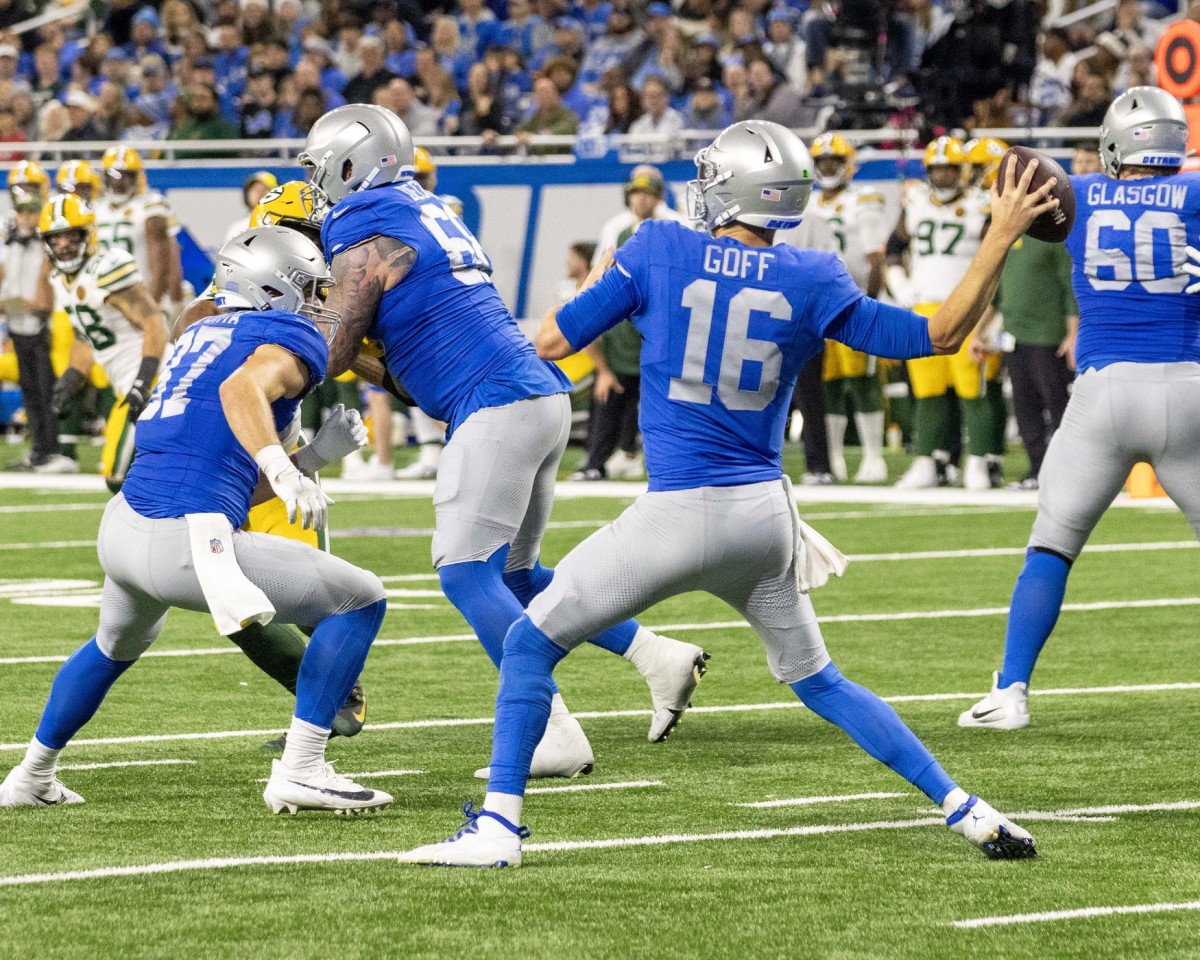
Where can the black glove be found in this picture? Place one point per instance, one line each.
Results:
(139, 394)
(65, 387)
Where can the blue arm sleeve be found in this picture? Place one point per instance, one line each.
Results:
(599, 308)
(882, 330)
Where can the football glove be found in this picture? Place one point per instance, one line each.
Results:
(302, 497)
(65, 387)
(1192, 267)
(901, 288)
(139, 394)
(341, 435)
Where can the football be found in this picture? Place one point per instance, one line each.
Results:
(1055, 226)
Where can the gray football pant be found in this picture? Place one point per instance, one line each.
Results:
(148, 569)
(495, 482)
(733, 542)
(1124, 414)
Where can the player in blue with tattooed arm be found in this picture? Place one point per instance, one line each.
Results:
(727, 322)
(412, 276)
(1137, 396)
(209, 447)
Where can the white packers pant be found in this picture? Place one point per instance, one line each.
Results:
(1124, 414)
(148, 569)
(495, 484)
(736, 543)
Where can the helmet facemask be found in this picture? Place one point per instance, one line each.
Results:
(947, 191)
(315, 293)
(119, 183)
(68, 249)
(831, 171)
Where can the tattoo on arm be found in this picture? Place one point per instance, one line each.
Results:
(137, 305)
(363, 273)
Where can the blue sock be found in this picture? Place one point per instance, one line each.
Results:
(875, 727)
(333, 662)
(527, 584)
(1036, 602)
(77, 692)
(522, 704)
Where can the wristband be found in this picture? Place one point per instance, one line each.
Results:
(274, 462)
(147, 371)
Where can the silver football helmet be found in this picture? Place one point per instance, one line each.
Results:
(357, 147)
(755, 172)
(271, 269)
(1144, 127)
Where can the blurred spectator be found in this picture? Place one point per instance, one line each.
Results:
(579, 265)
(25, 112)
(256, 22)
(517, 30)
(702, 60)
(345, 42)
(230, 61)
(321, 53)
(624, 107)
(774, 100)
(658, 120)
(8, 65)
(994, 111)
(53, 121)
(310, 107)
(1110, 54)
(143, 36)
(562, 72)
(477, 26)
(481, 109)
(47, 81)
(737, 81)
(594, 15)
(448, 48)
(10, 132)
(1132, 28)
(550, 117)
(142, 126)
(373, 75)
(786, 52)
(618, 43)
(1138, 70)
(1086, 158)
(80, 110)
(443, 97)
(400, 58)
(259, 106)
(568, 44)
(287, 19)
(178, 20)
(705, 109)
(112, 112)
(307, 76)
(669, 62)
(157, 91)
(1089, 107)
(1050, 86)
(116, 68)
(649, 51)
(421, 120)
(203, 120)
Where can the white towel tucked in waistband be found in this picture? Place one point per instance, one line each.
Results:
(233, 600)
(816, 558)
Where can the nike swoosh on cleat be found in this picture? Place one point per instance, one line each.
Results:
(340, 794)
(976, 715)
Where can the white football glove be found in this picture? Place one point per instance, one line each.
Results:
(341, 435)
(901, 288)
(302, 497)
(1192, 267)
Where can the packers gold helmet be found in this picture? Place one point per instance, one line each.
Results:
(80, 178)
(124, 172)
(28, 185)
(944, 162)
(833, 156)
(426, 169)
(68, 229)
(295, 205)
(983, 161)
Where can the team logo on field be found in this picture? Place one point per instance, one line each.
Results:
(770, 193)
(216, 546)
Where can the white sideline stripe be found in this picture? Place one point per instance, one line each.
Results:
(805, 801)
(1020, 551)
(408, 577)
(415, 606)
(48, 545)
(127, 763)
(1083, 913)
(578, 787)
(406, 592)
(611, 714)
(369, 773)
(52, 507)
(219, 863)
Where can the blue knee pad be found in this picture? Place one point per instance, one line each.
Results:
(79, 688)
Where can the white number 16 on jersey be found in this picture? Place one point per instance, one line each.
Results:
(739, 348)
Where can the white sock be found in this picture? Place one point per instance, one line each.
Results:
(954, 799)
(870, 434)
(305, 747)
(507, 805)
(640, 652)
(835, 425)
(40, 762)
(431, 455)
(558, 708)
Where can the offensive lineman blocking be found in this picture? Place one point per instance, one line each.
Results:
(727, 324)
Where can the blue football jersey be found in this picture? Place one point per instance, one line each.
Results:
(446, 333)
(725, 330)
(1128, 247)
(188, 460)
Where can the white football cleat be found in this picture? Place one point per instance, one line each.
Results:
(991, 831)
(19, 789)
(485, 840)
(319, 789)
(57, 463)
(563, 752)
(837, 466)
(417, 471)
(620, 466)
(672, 669)
(976, 476)
(872, 470)
(1002, 709)
(921, 475)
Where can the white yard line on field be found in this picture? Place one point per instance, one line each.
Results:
(49, 545)
(580, 787)
(1083, 913)
(127, 763)
(369, 773)
(51, 507)
(614, 714)
(221, 863)
(805, 801)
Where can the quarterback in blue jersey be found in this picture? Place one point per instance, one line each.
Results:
(209, 447)
(727, 322)
(1137, 396)
(412, 276)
